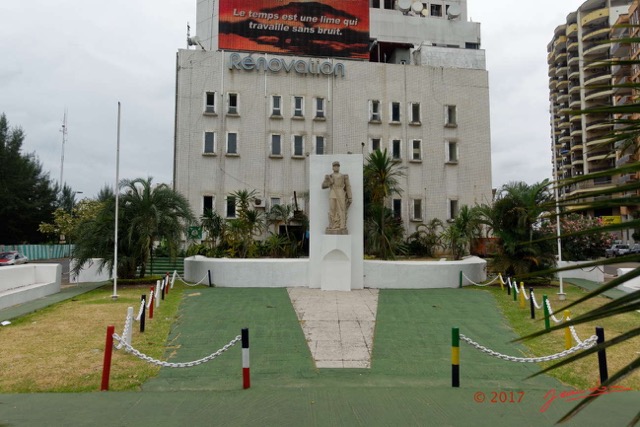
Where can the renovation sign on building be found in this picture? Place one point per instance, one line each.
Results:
(325, 28)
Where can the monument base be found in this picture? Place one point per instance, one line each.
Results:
(335, 268)
(336, 231)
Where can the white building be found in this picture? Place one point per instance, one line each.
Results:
(249, 120)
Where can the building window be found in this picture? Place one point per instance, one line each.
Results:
(397, 208)
(374, 111)
(232, 143)
(436, 10)
(389, 4)
(414, 109)
(452, 151)
(298, 106)
(320, 114)
(416, 150)
(276, 145)
(230, 207)
(274, 201)
(276, 106)
(298, 146)
(416, 211)
(210, 102)
(395, 112)
(450, 116)
(234, 101)
(453, 209)
(319, 144)
(209, 143)
(375, 144)
(207, 204)
(396, 149)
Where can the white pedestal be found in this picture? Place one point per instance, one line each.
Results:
(335, 267)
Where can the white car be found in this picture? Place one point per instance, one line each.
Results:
(616, 250)
(12, 258)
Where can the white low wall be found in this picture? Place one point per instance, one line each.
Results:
(423, 274)
(630, 285)
(89, 272)
(275, 273)
(595, 274)
(23, 283)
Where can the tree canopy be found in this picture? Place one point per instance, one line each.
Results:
(27, 195)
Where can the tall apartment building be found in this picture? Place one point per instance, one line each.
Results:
(578, 80)
(266, 84)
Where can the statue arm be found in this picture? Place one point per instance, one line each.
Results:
(327, 182)
(347, 189)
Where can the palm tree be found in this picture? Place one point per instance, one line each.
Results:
(147, 214)
(513, 218)
(624, 138)
(213, 223)
(383, 232)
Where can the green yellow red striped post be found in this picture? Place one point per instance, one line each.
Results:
(501, 281)
(567, 332)
(547, 326)
(515, 290)
(460, 281)
(455, 357)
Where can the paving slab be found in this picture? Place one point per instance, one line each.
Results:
(337, 325)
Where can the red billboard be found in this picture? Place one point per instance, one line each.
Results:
(325, 28)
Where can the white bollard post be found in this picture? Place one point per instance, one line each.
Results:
(157, 293)
(173, 279)
(130, 331)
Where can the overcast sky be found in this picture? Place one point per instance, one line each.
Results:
(83, 57)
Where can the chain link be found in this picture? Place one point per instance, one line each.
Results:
(588, 343)
(480, 284)
(551, 313)
(129, 349)
(125, 332)
(199, 282)
(150, 299)
(139, 316)
(535, 303)
(574, 334)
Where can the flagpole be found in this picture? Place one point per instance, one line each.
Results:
(117, 191)
(561, 295)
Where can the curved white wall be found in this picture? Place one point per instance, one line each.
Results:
(276, 273)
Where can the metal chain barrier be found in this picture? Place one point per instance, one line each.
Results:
(125, 332)
(588, 343)
(535, 303)
(150, 299)
(129, 349)
(480, 284)
(526, 297)
(551, 313)
(199, 282)
(139, 316)
(574, 334)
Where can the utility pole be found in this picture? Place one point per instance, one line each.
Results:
(64, 140)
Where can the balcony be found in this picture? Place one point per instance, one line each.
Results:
(597, 79)
(599, 125)
(595, 94)
(595, 18)
(572, 29)
(599, 141)
(562, 70)
(576, 132)
(626, 178)
(575, 117)
(576, 147)
(596, 50)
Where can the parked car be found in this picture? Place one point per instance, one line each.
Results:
(616, 250)
(12, 258)
(634, 249)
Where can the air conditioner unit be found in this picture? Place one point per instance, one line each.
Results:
(259, 203)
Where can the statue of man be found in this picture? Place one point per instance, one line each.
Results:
(339, 199)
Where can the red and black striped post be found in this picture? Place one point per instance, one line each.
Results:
(153, 295)
(143, 298)
(455, 357)
(246, 374)
(106, 365)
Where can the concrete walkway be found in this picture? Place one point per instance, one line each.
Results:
(338, 325)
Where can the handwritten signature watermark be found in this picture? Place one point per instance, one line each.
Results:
(572, 395)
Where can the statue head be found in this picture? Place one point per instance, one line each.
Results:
(336, 166)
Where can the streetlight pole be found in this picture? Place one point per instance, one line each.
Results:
(561, 295)
(115, 237)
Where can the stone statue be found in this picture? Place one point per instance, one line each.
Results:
(339, 200)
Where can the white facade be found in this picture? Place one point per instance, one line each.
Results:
(251, 124)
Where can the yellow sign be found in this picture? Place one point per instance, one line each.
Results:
(610, 220)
